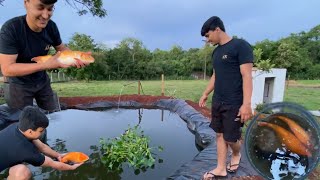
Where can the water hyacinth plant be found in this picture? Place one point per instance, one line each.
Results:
(131, 148)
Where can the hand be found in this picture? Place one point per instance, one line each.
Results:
(245, 112)
(79, 63)
(75, 166)
(202, 101)
(61, 156)
(54, 63)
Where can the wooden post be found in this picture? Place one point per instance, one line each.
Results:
(162, 85)
(139, 87)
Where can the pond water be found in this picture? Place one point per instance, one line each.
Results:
(76, 130)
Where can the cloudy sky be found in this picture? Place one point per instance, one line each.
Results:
(164, 23)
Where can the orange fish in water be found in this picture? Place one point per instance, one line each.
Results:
(67, 57)
(297, 130)
(75, 157)
(288, 139)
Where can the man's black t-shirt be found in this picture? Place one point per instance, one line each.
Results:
(227, 59)
(17, 38)
(16, 149)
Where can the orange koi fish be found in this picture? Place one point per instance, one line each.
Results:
(67, 57)
(75, 157)
(288, 139)
(298, 131)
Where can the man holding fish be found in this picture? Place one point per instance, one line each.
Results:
(20, 144)
(231, 102)
(22, 40)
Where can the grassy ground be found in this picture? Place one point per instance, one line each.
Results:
(186, 89)
(297, 91)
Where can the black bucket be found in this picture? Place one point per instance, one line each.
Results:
(283, 149)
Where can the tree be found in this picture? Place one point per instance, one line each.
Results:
(205, 55)
(82, 42)
(95, 7)
(263, 65)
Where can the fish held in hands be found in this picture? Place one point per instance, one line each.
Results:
(67, 57)
(288, 139)
(75, 157)
(297, 130)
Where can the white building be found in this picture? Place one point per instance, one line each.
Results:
(268, 87)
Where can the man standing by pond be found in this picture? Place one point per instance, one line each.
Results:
(20, 144)
(232, 85)
(21, 39)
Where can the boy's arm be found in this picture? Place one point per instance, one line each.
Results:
(45, 149)
(245, 111)
(207, 91)
(48, 162)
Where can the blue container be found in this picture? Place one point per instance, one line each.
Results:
(271, 154)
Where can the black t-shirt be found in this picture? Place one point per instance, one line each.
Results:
(17, 38)
(227, 59)
(16, 148)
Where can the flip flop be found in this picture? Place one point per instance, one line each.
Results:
(232, 170)
(213, 176)
(229, 165)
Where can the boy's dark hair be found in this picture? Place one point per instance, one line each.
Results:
(211, 24)
(48, 2)
(32, 118)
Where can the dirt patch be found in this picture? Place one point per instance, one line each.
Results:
(143, 99)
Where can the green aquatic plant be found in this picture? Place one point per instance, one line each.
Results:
(132, 147)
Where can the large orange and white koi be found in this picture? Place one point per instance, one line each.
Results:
(288, 139)
(297, 130)
(67, 57)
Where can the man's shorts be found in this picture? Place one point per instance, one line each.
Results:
(19, 96)
(225, 120)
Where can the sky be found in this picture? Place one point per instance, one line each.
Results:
(165, 23)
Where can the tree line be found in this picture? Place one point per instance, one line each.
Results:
(130, 59)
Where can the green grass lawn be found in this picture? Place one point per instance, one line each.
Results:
(183, 89)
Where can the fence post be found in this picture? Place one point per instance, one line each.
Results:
(139, 87)
(162, 85)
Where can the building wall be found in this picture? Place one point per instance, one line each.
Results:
(277, 79)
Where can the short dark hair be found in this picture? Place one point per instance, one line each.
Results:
(48, 2)
(211, 24)
(32, 118)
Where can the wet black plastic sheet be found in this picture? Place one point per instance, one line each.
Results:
(204, 161)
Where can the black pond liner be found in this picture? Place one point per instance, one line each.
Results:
(204, 161)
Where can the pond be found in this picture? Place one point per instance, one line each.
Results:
(77, 130)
